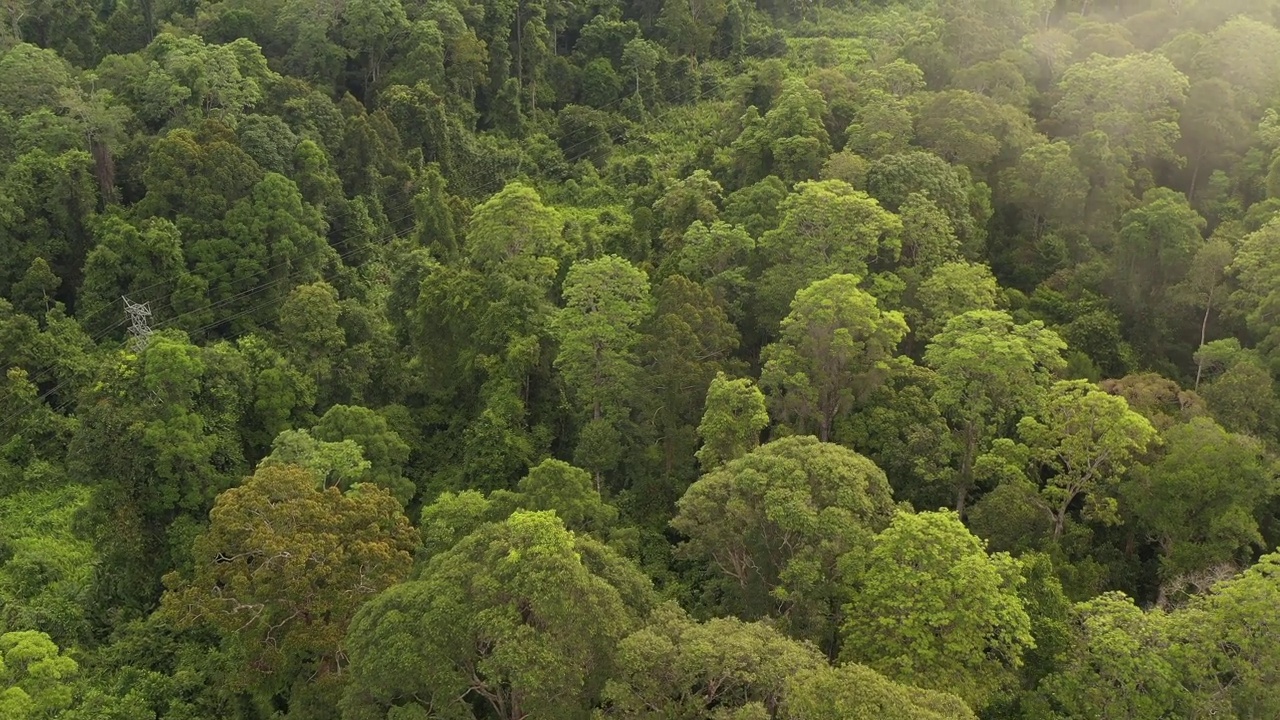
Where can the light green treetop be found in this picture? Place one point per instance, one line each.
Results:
(930, 607)
(1084, 439)
(834, 347)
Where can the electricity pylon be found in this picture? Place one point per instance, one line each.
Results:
(139, 330)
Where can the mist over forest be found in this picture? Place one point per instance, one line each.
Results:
(639, 359)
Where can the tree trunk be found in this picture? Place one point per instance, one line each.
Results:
(104, 170)
(1060, 519)
(1204, 327)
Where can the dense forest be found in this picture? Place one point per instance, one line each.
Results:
(666, 359)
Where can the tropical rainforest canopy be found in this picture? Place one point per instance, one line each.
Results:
(663, 359)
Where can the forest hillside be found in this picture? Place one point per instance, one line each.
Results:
(647, 359)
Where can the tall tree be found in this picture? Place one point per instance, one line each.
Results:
(826, 228)
(1257, 269)
(953, 289)
(731, 423)
(686, 342)
(1223, 644)
(893, 180)
(774, 524)
(37, 678)
(1084, 440)
(990, 370)
(1157, 242)
(1204, 286)
(158, 440)
(605, 302)
(972, 130)
(856, 692)
(379, 444)
(964, 628)
(1200, 500)
(1133, 99)
(521, 617)
(1116, 666)
(684, 669)
(283, 567)
(834, 347)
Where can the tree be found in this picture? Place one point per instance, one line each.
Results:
(310, 332)
(1200, 500)
(1223, 644)
(1133, 99)
(283, 567)
(1240, 51)
(640, 59)
(690, 26)
(856, 692)
(1204, 285)
(971, 129)
(953, 289)
(36, 678)
(901, 428)
(370, 28)
(930, 607)
(1157, 398)
(1241, 393)
(34, 293)
(556, 485)
(975, 30)
(605, 301)
(990, 370)
(382, 446)
(881, 125)
(49, 200)
(1212, 128)
(716, 256)
(1001, 80)
(46, 565)
(683, 669)
(1048, 186)
(928, 236)
(434, 216)
(521, 617)
(269, 238)
(338, 464)
(269, 141)
(33, 78)
(1084, 440)
(833, 347)
(688, 339)
(893, 180)
(1157, 242)
(133, 261)
(693, 199)
(158, 441)
(1257, 269)
(1116, 666)
(731, 423)
(513, 232)
(281, 396)
(792, 140)
(826, 228)
(774, 522)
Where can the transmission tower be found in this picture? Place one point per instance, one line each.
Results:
(139, 330)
